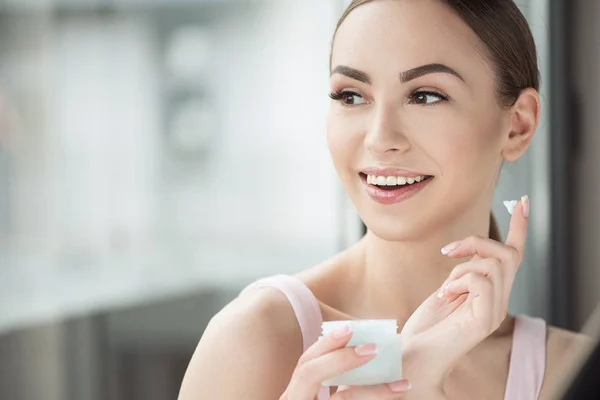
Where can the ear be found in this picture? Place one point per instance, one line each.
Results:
(524, 118)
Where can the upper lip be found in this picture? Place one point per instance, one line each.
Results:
(391, 172)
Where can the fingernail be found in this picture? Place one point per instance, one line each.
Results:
(366, 349)
(441, 293)
(342, 332)
(525, 202)
(400, 386)
(449, 248)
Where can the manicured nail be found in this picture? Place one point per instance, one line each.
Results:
(366, 349)
(342, 332)
(525, 202)
(441, 293)
(449, 248)
(400, 386)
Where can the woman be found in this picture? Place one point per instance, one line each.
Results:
(429, 99)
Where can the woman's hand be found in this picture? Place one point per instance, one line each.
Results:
(328, 358)
(471, 304)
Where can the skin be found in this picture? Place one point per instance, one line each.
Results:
(397, 269)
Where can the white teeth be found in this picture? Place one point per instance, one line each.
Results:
(393, 180)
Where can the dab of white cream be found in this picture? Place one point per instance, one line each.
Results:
(510, 205)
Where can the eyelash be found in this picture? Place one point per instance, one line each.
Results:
(340, 95)
(441, 96)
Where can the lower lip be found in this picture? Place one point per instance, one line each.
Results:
(394, 196)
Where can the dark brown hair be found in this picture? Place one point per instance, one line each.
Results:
(506, 42)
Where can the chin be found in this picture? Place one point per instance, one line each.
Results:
(399, 230)
(417, 222)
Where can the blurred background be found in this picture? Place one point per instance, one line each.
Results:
(158, 155)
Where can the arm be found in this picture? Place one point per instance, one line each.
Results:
(416, 368)
(249, 350)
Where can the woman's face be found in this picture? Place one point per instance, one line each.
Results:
(415, 97)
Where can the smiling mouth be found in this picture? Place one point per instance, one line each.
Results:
(391, 183)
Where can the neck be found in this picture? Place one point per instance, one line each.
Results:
(398, 276)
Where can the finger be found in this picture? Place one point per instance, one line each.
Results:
(486, 303)
(517, 231)
(308, 377)
(489, 268)
(484, 248)
(473, 284)
(373, 392)
(335, 340)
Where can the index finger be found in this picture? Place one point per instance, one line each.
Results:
(337, 339)
(517, 231)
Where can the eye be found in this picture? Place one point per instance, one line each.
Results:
(347, 98)
(427, 98)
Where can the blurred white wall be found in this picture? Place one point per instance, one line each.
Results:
(96, 171)
(104, 128)
(270, 175)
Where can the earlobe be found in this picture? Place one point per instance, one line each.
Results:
(525, 114)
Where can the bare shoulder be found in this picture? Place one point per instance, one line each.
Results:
(561, 337)
(564, 352)
(248, 350)
(561, 342)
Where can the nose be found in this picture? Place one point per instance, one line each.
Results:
(384, 134)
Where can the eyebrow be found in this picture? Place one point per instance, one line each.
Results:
(351, 73)
(405, 76)
(427, 69)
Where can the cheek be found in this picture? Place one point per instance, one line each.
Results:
(344, 143)
(458, 145)
(466, 154)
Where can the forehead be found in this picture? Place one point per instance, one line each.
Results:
(402, 34)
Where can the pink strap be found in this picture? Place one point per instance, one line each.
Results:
(527, 359)
(306, 307)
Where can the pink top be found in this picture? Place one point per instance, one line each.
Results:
(528, 355)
